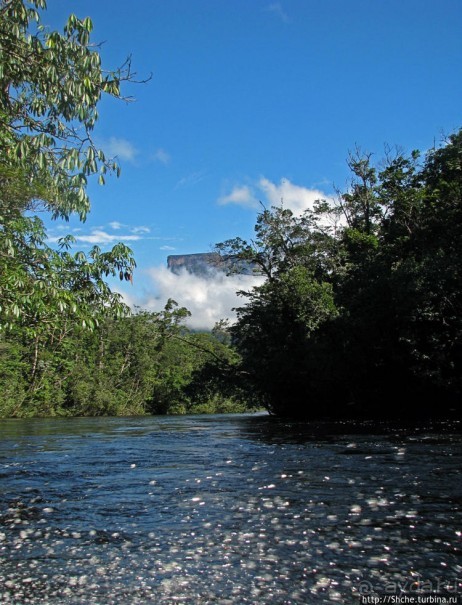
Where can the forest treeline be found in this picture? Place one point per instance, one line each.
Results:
(143, 363)
(359, 315)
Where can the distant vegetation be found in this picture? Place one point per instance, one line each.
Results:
(360, 313)
(145, 363)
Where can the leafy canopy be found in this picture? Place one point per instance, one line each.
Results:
(50, 86)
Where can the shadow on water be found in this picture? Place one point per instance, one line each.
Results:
(260, 426)
(272, 430)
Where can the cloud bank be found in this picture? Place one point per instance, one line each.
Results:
(295, 197)
(209, 299)
(240, 195)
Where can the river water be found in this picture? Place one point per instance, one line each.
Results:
(225, 510)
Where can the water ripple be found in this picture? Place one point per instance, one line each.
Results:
(230, 509)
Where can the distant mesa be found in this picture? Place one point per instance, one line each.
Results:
(207, 263)
(197, 264)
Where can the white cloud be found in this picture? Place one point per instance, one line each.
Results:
(116, 225)
(98, 236)
(209, 299)
(168, 248)
(140, 229)
(240, 195)
(294, 197)
(120, 148)
(162, 156)
(276, 9)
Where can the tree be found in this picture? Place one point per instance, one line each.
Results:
(120, 368)
(401, 293)
(51, 85)
(276, 328)
(275, 334)
(50, 88)
(432, 270)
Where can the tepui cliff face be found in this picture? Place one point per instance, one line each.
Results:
(207, 263)
(197, 264)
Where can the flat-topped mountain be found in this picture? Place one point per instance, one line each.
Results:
(205, 263)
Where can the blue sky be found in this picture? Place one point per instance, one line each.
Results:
(254, 100)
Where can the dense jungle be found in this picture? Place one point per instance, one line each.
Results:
(359, 315)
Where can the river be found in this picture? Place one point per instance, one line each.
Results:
(226, 510)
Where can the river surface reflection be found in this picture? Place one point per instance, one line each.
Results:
(226, 509)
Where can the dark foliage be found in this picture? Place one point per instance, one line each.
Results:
(361, 312)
